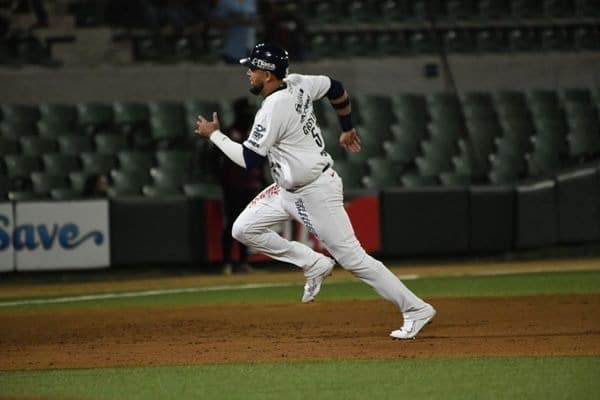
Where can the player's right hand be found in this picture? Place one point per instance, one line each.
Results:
(205, 128)
(350, 141)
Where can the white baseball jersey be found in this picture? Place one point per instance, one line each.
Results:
(285, 131)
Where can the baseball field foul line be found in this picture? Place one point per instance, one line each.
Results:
(156, 292)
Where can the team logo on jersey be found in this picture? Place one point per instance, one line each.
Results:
(257, 133)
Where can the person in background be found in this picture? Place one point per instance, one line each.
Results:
(238, 19)
(239, 186)
(96, 185)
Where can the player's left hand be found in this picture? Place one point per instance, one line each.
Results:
(205, 128)
(350, 141)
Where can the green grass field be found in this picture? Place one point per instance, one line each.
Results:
(445, 378)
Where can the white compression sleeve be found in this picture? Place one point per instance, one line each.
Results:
(231, 149)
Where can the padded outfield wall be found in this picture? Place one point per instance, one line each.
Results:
(400, 222)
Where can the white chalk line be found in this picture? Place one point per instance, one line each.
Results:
(157, 292)
(249, 286)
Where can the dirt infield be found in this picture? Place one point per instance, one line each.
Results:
(473, 326)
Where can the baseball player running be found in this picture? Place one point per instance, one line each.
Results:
(306, 187)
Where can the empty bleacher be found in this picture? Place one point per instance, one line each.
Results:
(409, 139)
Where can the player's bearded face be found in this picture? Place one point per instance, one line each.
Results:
(256, 81)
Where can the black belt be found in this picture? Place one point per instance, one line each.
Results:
(292, 190)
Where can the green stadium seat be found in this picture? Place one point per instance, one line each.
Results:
(60, 163)
(95, 117)
(451, 178)
(59, 114)
(133, 179)
(524, 9)
(37, 145)
(110, 143)
(459, 10)
(8, 146)
(459, 41)
(489, 40)
(322, 45)
(584, 144)
(15, 129)
(163, 177)
(20, 113)
(54, 129)
(74, 144)
(21, 165)
(389, 43)
(412, 180)
(177, 160)
(578, 96)
(133, 160)
(350, 174)
(123, 191)
(64, 194)
(410, 107)
(557, 8)
(587, 8)
(421, 42)
(78, 179)
(203, 190)
(555, 39)
(544, 159)
(44, 182)
(586, 38)
(161, 191)
(383, 173)
(401, 151)
(522, 40)
(129, 114)
(355, 44)
(97, 163)
(493, 9)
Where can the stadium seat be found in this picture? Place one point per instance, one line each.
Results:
(421, 42)
(355, 44)
(543, 159)
(195, 108)
(54, 129)
(351, 176)
(461, 9)
(135, 160)
(451, 178)
(4, 187)
(15, 129)
(586, 38)
(37, 145)
(493, 9)
(459, 41)
(20, 165)
(129, 114)
(410, 107)
(133, 179)
(587, 8)
(383, 173)
(78, 179)
(524, 9)
(411, 180)
(401, 151)
(177, 160)
(161, 191)
(97, 163)
(95, 117)
(163, 177)
(59, 114)
(489, 40)
(110, 143)
(555, 39)
(583, 143)
(522, 40)
(44, 182)
(203, 190)
(8, 146)
(64, 194)
(389, 43)
(558, 8)
(60, 163)
(20, 113)
(74, 144)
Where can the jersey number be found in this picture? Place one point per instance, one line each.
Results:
(310, 129)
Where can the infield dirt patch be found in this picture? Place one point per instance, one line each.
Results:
(473, 326)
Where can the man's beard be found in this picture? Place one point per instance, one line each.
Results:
(256, 89)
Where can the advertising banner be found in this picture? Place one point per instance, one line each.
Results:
(7, 254)
(61, 235)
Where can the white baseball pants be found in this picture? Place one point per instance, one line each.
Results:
(319, 207)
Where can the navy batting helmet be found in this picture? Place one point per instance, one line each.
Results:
(268, 57)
